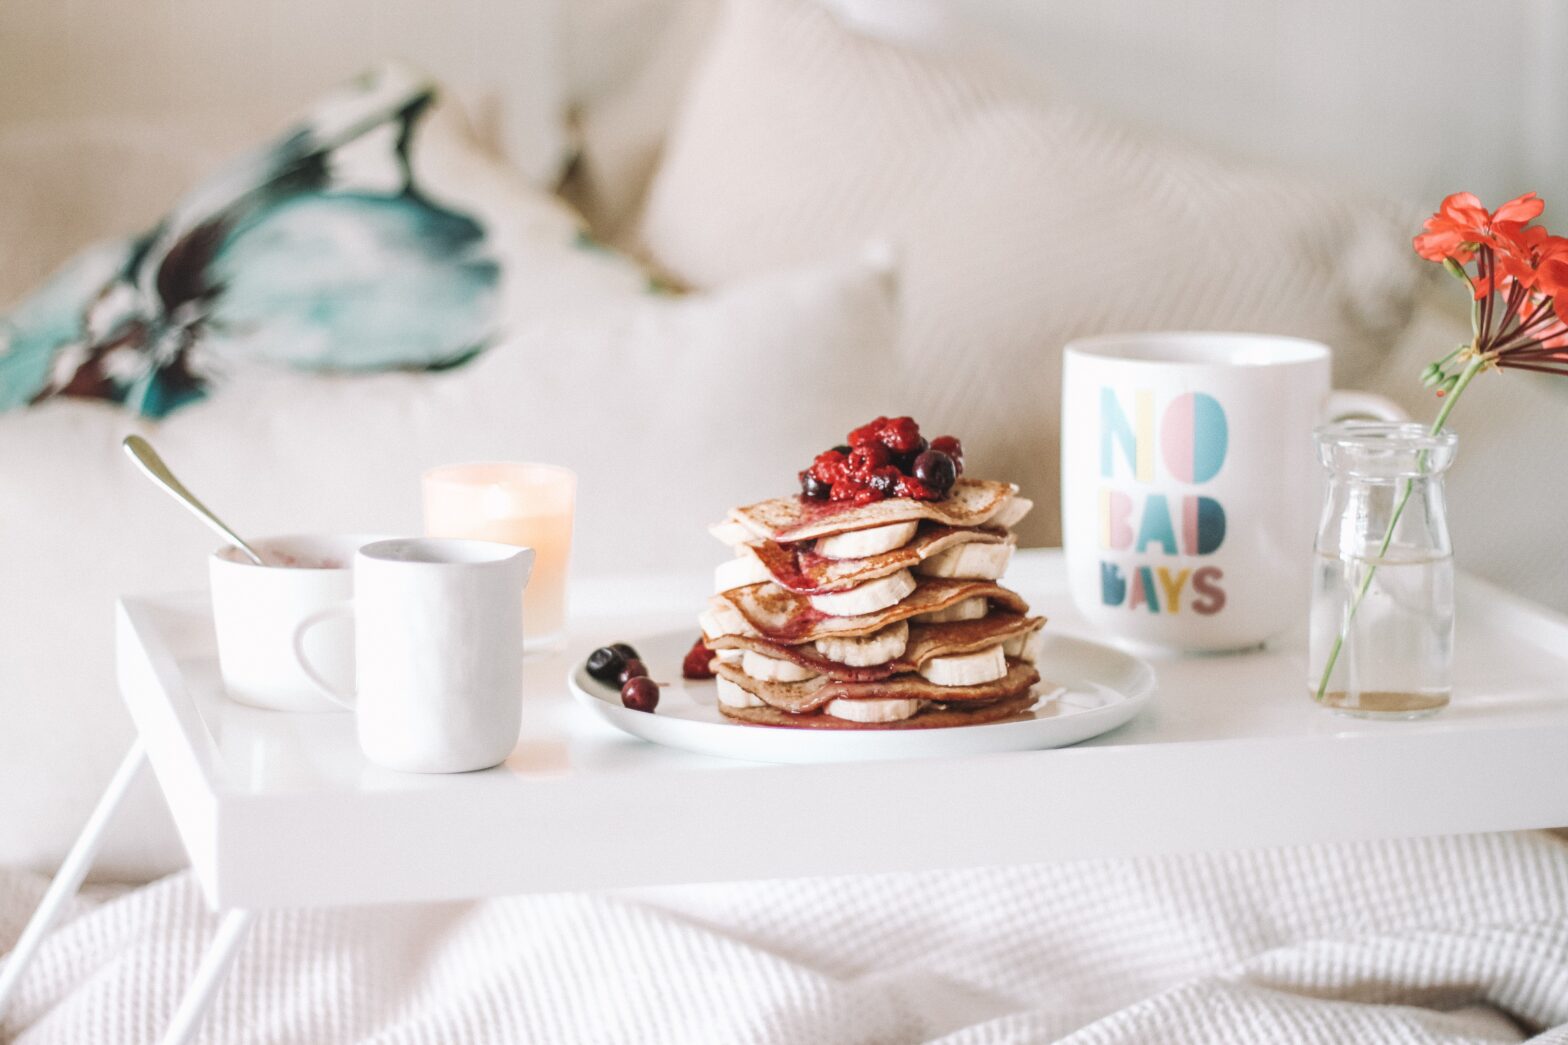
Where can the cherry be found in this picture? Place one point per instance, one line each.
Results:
(626, 651)
(640, 694)
(634, 669)
(936, 470)
(950, 446)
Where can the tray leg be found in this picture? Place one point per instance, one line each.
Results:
(209, 976)
(69, 878)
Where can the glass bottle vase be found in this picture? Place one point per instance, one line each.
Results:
(1383, 588)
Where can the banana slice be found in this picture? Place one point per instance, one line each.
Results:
(981, 562)
(1025, 647)
(720, 619)
(870, 650)
(969, 609)
(860, 544)
(773, 669)
(868, 597)
(729, 656)
(740, 571)
(1011, 513)
(871, 710)
(731, 533)
(968, 669)
(735, 696)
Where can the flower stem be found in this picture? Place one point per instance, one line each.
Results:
(1472, 368)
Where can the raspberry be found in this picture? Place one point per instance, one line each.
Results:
(828, 466)
(950, 446)
(901, 435)
(847, 490)
(915, 490)
(698, 663)
(864, 460)
(867, 433)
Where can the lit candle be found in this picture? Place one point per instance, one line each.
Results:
(529, 505)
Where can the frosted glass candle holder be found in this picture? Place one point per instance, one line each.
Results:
(529, 505)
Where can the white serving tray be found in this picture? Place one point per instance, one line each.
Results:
(280, 809)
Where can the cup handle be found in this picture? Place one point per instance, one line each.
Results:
(331, 692)
(1346, 405)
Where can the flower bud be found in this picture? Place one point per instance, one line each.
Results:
(1455, 269)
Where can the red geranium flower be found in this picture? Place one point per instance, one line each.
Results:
(1461, 224)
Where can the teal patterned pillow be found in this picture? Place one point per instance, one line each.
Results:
(320, 251)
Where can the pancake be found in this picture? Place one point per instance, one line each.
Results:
(971, 502)
(925, 641)
(800, 697)
(800, 569)
(768, 611)
(932, 716)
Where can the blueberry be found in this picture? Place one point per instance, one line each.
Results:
(884, 481)
(936, 470)
(842, 448)
(813, 488)
(605, 664)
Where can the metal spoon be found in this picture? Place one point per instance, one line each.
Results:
(148, 460)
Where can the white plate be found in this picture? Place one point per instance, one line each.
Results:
(1096, 688)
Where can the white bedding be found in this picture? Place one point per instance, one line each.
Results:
(1435, 940)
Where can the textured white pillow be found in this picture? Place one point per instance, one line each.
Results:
(1020, 223)
(670, 409)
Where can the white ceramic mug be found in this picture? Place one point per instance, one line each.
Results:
(1189, 487)
(257, 609)
(438, 641)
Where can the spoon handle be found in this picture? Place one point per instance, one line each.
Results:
(148, 460)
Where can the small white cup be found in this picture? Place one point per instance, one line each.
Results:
(257, 609)
(438, 641)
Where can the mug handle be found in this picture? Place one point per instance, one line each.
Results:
(331, 692)
(1346, 405)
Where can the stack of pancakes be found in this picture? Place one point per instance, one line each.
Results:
(886, 615)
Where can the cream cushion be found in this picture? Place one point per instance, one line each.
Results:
(1019, 223)
(669, 408)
